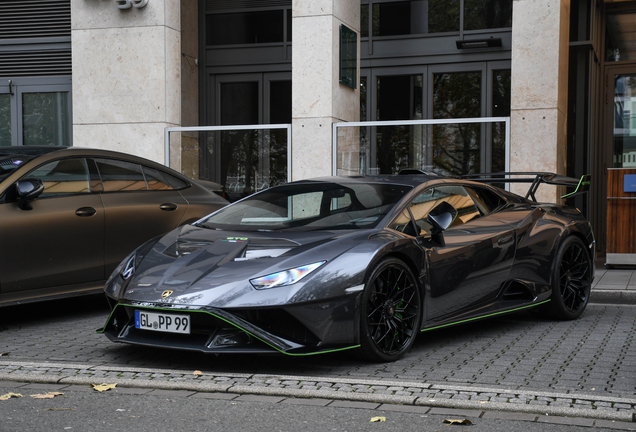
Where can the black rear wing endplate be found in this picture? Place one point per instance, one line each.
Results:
(581, 185)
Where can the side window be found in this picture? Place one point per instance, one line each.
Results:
(156, 179)
(456, 196)
(120, 176)
(61, 177)
(486, 200)
(403, 224)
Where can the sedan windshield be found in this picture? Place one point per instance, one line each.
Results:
(310, 206)
(10, 163)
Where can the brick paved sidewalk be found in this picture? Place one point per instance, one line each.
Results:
(614, 286)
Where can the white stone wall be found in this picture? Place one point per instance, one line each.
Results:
(539, 85)
(318, 99)
(126, 75)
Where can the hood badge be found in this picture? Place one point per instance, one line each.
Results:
(166, 294)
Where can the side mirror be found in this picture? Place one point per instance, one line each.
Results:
(28, 190)
(440, 218)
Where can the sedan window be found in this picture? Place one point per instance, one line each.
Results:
(119, 176)
(66, 176)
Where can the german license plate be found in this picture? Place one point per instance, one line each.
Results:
(162, 322)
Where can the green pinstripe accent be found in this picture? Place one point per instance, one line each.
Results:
(485, 316)
(577, 187)
(229, 322)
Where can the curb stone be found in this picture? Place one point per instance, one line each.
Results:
(357, 390)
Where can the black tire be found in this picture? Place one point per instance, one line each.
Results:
(390, 313)
(571, 281)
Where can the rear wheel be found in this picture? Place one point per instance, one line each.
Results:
(390, 312)
(572, 280)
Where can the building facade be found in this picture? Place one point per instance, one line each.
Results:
(116, 73)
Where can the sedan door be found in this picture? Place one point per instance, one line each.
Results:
(474, 262)
(60, 241)
(139, 205)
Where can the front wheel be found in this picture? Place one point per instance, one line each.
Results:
(390, 312)
(572, 280)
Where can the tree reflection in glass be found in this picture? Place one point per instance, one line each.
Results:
(456, 147)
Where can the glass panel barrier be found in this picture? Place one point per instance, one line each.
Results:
(241, 159)
(357, 146)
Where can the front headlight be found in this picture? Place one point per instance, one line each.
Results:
(286, 277)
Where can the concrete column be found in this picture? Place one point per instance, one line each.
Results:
(318, 99)
(540, 36)
(126, 75)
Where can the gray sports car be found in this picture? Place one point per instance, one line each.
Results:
(69, 215)
(360, 263)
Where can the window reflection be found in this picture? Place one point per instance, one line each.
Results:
(500, 108)
(5, 119)
(432, 16)
(487, 14)
(457, 147)
(625, 121)
(246, 27)
(45, 119)
(397, 147)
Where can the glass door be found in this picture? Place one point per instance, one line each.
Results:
(245, 160)
(36, 112)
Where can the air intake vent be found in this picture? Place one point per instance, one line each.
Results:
(219, 5)
(35, 63)
(35, 19)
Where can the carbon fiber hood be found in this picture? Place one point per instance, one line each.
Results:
(198, 266)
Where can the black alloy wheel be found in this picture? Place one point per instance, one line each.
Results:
(390, 312)
(572, 280)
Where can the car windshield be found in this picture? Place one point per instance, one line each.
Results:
(310, 206)
(13, 157)
(11, 162)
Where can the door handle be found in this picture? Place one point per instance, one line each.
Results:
(85, 211)
(168, 206)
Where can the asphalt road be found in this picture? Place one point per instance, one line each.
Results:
(81, 409)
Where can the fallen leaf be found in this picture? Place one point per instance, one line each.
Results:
(49, 395)
(10, 395)
(60, 409)
(378, 419)
(103, 387)
(197, 372)
(458, 421)
(4, 354)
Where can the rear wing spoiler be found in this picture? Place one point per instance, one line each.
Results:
(580, 186)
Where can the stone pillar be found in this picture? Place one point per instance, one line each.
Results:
(540, 38)
(318, 99)
(126, 75)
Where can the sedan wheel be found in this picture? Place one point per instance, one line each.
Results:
(572, 280)
(390, 312)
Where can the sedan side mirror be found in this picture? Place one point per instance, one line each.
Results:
(28, 190)
(440, 218)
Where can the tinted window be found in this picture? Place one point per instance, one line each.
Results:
(485, 199)
(403, 223)
(487, 14)
(245, 28)
(156, 179)
(119, 176)
(66, 176)
(456, 196)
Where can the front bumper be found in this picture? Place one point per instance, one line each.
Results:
(217, 331)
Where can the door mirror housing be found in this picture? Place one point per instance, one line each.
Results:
(28, 190)
(440, 218)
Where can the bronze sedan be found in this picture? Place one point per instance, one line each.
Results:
(69, 215)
